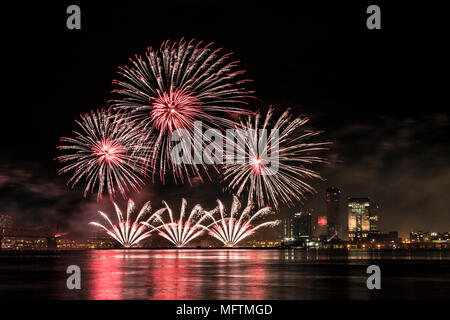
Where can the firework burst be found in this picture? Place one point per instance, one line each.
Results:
(235, 228)
(105, 153)
(180, 232)
(127, 232)
(170, 88)
(282, 176)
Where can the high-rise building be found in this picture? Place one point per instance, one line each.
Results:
(298, 227)
(302, 228)
(373, 216)
(358, 218)
(287, 229)
(333, 198)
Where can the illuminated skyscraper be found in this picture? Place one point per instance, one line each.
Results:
(333, 198)
(358, 218)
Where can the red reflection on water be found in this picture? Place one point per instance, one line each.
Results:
(173, 276)
(106, 281)
(176, 274)
(243, 275)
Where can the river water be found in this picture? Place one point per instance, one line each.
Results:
(225, 274)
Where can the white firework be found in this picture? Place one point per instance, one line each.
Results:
(232, 229)
(105, 153)
(127, 232)
(256, 174)
(180, 231)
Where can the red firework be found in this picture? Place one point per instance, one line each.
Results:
(170, 88)
(174, 110)
(105, 153)
(297, 152)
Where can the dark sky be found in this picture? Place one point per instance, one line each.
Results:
(381, 96)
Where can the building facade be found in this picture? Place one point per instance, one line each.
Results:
(333, 199)
(373, 217)
(358, 218)
(298, 227)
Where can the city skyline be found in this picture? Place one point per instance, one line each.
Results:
(317, 214)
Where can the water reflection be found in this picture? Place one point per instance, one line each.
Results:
(241, 273)
(175, 274)
(171, 276)
(116, 274)
(227, 274)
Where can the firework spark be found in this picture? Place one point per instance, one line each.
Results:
(180, 232)
(127, 232)
(174, 86)
(106, 153)
(287, 183)
(235, 228)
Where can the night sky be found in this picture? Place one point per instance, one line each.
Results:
(381, 96)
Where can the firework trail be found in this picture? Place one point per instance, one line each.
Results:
(255, 174)
(180, 232)
(127, 232)
(105, 153)
(235, 228)
(170, 88)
